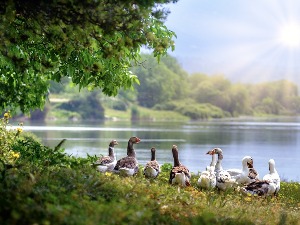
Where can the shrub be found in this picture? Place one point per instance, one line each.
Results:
(194, 110)
(118, 105)
(8, 137)
(88, 107)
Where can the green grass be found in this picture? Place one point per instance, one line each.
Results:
(145, 114)
(80, 195)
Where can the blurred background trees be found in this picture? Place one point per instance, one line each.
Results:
(166, 86)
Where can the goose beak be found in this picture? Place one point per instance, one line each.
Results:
(138, 140)
(211, 152)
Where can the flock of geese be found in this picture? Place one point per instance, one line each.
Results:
(246, 178)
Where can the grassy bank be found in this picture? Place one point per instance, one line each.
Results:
(111, 114)
(83, 196)
(145, 114)
(40, 185)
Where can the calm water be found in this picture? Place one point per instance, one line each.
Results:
(261, 139)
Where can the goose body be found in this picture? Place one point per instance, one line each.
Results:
(248, 174)
(179, 174)
(273, 175)
(223, 178)
(270, 185)
(128, 166)
(107, 163)
(152, 168)
(207, 178)
(260, 188)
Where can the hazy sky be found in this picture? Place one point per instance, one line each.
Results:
(246, 40)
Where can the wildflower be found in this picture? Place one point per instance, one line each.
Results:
(19, 130)
(7, 115)
(248, 199)
(107, 174)
(16, 155)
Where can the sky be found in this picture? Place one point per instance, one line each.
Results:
(245, 40)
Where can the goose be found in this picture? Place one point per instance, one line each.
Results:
(179, 174)
(152, 168)
(128, 166)
(107, 163)
(247, 174)
(273, 176)
(207, 179)
(269, 185)
(223, 178)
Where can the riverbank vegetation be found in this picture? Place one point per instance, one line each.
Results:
(40, 185)
(167, 92)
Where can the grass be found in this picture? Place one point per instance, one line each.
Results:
(145, 114)
(83, 196)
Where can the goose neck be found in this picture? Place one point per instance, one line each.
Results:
(152, 155)
(111, 152)
(130, 149)
(213, 160)
(176, 159)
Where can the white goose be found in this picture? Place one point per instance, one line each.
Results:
(107, 163)
(270, 185)
(152, 168)
(273, 176)
(223, 178)
(207, 179)
(128, 166)
(179, 174)
(247, 174)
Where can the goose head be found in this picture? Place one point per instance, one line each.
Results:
(134, 140)
(272, 165)
(217, 151)
(113, 143)
(247, 162)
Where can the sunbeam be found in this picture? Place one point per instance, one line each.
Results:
(289, 35)
(257, 41)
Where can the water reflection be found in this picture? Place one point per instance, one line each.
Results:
(261, 139)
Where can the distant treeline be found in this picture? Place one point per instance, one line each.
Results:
(166, 86)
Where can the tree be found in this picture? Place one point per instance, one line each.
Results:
(89, 107)
(159, 82)
(92, 42)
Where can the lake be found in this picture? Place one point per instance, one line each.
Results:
(262, 139)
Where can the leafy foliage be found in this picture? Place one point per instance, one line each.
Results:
(88, 107)
(276, 97)
(92, 42)
(8, 137)
(193, 110)
(160, 83)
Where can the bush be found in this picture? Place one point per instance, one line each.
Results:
(194, 110)
(89, 107)
(8, 137)
(118, 105)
